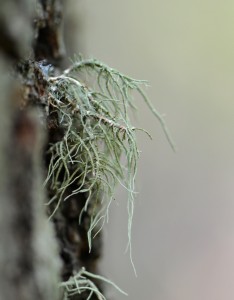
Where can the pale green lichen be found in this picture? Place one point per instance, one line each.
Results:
(82, 282)
(99, 150)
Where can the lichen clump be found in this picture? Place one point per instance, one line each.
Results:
(91, 102)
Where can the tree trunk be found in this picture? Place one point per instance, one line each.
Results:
(29, 253)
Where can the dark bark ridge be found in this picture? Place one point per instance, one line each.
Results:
(48, 56)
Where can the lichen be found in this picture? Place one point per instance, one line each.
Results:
(82, 282)
(91, 102)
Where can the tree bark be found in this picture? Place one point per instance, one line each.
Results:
(30, 264)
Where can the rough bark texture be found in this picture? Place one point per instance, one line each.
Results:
(29, 261)
(48, 42)
(29, 265)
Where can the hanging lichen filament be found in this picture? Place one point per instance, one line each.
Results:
(97, 136)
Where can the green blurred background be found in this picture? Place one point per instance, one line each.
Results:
(183, 230)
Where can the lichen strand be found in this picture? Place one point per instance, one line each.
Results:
(84, 281)
(90, 103)
(98, 149)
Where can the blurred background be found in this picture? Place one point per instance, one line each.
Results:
(183, 228)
